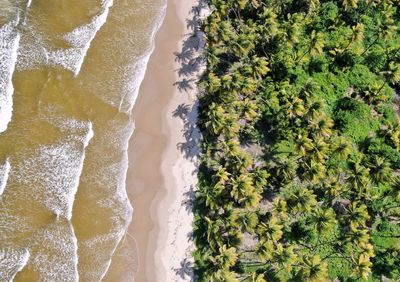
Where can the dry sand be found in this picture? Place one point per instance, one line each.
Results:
(163, 149)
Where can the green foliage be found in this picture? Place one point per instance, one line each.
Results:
(301, 145)
(354, 119)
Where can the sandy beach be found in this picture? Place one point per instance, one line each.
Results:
(163, 149)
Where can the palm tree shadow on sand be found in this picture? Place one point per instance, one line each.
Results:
(191, 63)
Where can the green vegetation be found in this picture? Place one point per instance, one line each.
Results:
(299, 173)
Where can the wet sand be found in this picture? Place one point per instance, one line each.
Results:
(162, 156)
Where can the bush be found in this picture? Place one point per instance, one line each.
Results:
(353, 118)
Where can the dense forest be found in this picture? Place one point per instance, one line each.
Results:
(299, 176)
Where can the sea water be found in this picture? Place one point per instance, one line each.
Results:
(70, 71)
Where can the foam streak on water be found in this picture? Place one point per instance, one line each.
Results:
(4, 172)
(57, 168)
(54, 253)
(9, 42)
(12, 262)
(80, 40)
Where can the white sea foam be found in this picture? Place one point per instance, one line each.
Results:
(12, 261)
(80, 40)
(56, 169)
(138, 69)
(54, 252)
(9, 42)
(4, 172)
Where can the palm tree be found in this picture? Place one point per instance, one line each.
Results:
(322, 127)
(294, 107)
(319, 149)
(303, 144)
(242, 186)
(392, 74)
(249, 109)
(226, 258)
(260, 178)
(315, 107)
(259, 66)
(216, 119)
(314, 171)
(359, 177)
(323, 219)
(347, 4)
(222, 275)
(213, 83)
(300, 199)
(312, 269)
(380, 170)
(356, 236)
(221, 175)
(286, 168)
(240, 162)
(357, 215)
(265, 249)
(214, 232)
(248, 220)
(342, 147)
(279, 208)
(285, 257)
(363, 266)
(316, 43)
(272, 230)
(210, 196)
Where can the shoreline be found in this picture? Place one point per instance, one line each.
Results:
(162, 170)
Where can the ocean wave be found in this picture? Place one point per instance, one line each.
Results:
(54, 252)
(34, 51)
(12, 261)
(4, 172)
(80, 40)
(9, 43)
(56, 169)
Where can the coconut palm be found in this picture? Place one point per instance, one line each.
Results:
(279, 208)
(315, 44)
(350, 4)
(303, 144)
(214, 232)
(312, 269)
(359, 177)
(300, 199)
(216, 119)
(357, 215)
(260, 178)
(380, 170)
(314, 171)
(265, 249)
(342, 147)
(222, 275)
(247, 220)
(271, 230)
(323, 219)
(363, 266)
(241, 187)
(319, 150)
(284, 257)
(257, 67)
(226, 258)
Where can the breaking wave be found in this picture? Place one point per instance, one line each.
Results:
(56, 169)
(9, 43)
(4, 172)
(11, 262)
